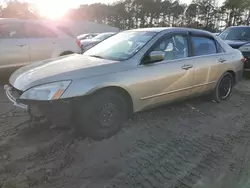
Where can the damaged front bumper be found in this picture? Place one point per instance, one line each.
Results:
(13, 94)
(59, 112)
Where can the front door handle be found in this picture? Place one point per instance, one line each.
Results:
(186, 67)
(222, 60)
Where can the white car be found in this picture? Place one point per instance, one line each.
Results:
(25, 41)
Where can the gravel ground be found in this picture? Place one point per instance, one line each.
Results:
(195, 143)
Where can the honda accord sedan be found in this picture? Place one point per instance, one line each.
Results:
(98, 91)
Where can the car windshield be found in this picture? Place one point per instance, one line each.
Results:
(236, 33)
(103, 36)
(121, 46)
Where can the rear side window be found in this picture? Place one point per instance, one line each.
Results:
(12, 31)
(203, 46)
(39, 31)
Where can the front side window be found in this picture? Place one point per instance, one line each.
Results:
(39, 31)
(12, 31)
(236, 33)
(175, 47)
(121, 46)
(203, 46)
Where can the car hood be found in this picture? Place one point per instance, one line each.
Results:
(69, 67)
(236, 43)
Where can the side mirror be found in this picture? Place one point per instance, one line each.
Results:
(156, 56)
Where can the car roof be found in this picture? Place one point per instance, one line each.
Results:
(240, 26)
(23, 20)
(171, 29)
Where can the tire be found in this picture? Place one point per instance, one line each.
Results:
(101, 115)
(223, 88)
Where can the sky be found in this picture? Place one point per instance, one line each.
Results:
(52, 10)
(78, 2)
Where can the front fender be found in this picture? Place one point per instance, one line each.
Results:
(87, 86)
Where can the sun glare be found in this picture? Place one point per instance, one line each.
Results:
(51, 10)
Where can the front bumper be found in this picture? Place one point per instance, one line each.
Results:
(13, 95)
(58, 112)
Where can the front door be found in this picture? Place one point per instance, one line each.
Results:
(14, 51)
(171, 78)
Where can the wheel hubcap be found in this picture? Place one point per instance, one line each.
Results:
(225, 88)
(107, 115)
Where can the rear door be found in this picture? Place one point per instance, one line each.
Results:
(14, 50)
(209, 62)
(41, 40)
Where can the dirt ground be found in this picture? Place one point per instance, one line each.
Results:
(195, 143)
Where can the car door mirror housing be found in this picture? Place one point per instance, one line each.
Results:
(155, 56)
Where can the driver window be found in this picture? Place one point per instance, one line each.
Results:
(175, 47)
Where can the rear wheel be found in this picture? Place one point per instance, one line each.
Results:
(223, 88)
(101, 115)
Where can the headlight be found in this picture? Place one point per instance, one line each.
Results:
(51, 91)
(245, 48)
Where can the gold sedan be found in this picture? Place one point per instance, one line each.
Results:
(129, 72)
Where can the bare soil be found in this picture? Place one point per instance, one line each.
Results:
(196, 143)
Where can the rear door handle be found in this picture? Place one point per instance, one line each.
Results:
(222, 60)
(186, 67)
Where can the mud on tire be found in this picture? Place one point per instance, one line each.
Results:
(100, 115)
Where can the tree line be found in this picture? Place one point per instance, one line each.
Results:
(127, 14)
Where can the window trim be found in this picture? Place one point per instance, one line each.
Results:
(168, 35)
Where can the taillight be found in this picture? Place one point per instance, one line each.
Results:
(78, 42)
(243, 60)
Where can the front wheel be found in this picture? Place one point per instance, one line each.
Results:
(101, 115)
(223, 88)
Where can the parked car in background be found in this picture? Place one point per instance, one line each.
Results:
(238, 37)
(89, 43)
(128, 72)
(87, 36)
(25, 41)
